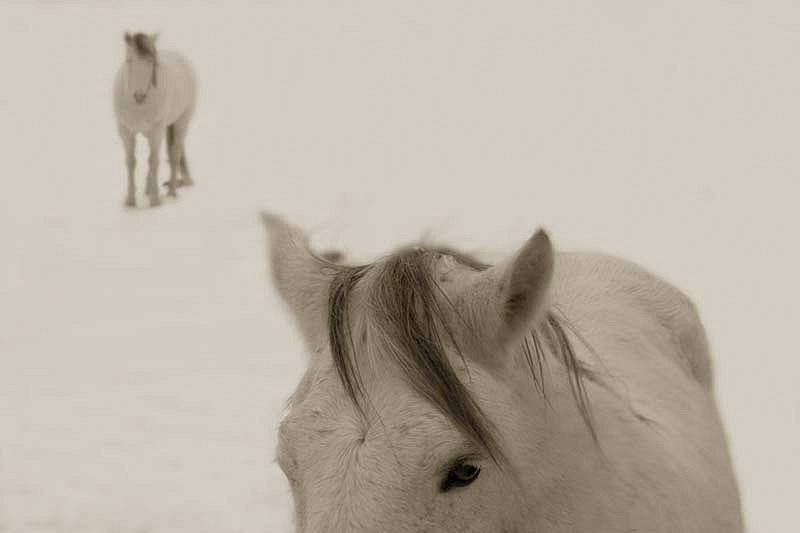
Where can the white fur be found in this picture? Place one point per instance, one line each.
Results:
(661, 464)
(170, 102)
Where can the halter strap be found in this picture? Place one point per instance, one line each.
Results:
(153, 80)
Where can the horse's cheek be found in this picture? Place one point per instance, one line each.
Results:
(466, 514)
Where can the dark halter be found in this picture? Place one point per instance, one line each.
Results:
(153, 78)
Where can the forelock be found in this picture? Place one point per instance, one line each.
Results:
(143, 46)
(403, 305)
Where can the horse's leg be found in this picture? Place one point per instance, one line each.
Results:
(169, 137)
(187, 178)
(154, 138)
(181, 128)
(174, 159)
(129, 142)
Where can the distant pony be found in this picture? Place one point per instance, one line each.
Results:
(557, 392)
(154, 92)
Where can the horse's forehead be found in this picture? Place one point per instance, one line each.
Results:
(453, 272)
(322, 390)
(323, 407)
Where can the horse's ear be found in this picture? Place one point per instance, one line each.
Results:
(154, 38)
(301, 278)
(504, 302)
(128, 38)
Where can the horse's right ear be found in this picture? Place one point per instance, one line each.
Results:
(128, 38)
(503, 302)
(301, 278)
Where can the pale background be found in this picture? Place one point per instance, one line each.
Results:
(144, 358)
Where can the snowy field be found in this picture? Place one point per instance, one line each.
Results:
(145, 359)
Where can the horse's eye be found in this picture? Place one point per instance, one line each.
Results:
(460, 475)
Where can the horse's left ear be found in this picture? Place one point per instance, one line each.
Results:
(128, 38)
(504, 302)
(301, 278)
(154, 38)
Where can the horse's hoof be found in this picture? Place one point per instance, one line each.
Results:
(155, 202)
(130, 201)
(179, 183)
(172, 193)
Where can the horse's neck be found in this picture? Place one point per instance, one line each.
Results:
(634, 324)
(644, 401)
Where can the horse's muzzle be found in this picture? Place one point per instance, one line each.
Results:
(139, 97)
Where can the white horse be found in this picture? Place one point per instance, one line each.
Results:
(154, 93)
(552, 392)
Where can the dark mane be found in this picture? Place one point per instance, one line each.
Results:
(405, 304)
(142, 45)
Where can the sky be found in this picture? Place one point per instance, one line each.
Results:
(144, 357)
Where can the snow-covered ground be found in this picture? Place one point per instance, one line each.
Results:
(144, 358)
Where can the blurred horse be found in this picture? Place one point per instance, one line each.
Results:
(154, 94)
(566, 392)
